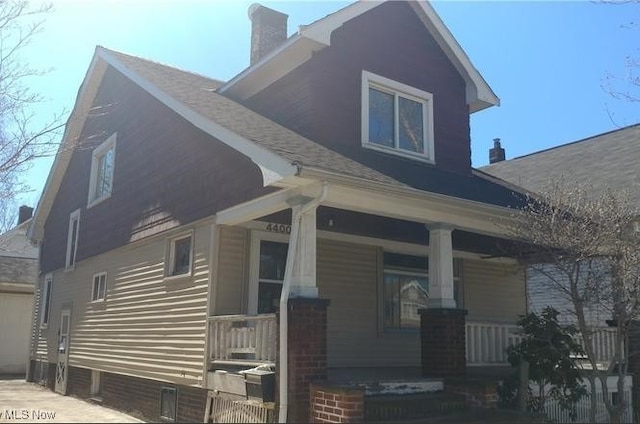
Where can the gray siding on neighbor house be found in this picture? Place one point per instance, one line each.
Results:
(148, 326)
(543, 291)
(493, 292)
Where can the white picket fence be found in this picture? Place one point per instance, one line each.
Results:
(583, 407)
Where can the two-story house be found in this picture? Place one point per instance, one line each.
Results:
(331, 181)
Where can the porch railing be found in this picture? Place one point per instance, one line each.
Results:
(243, 338)
(603, 341)
(487, 342)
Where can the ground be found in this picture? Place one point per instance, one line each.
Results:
(28, 402)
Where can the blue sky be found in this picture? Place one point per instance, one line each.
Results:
(547, 61)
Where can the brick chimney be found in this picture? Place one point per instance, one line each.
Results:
(24, 213)
(268, 30)
(497, 153)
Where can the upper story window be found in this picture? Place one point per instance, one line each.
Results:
(102, 166)
(396, 117)
(72, 238)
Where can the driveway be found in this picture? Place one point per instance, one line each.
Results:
(29, 403)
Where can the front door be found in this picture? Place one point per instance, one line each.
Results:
(268, 262)
(62, 369)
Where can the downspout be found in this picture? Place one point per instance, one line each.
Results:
(283, 368)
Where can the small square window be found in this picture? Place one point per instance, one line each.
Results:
(180, 256)
(168, 402)
(99, 287)
(102, 167)
(396, 118)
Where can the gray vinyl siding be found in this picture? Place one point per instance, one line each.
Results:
(231, 278)
(148, 326)
(39, 345)
(348, 275)
(493, 292)
(543, 291)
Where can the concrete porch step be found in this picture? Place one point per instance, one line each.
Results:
(392, 408)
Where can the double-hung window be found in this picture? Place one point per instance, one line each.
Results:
(102, 167)
(99, 289)
(396, 118)
(72, 238)
(406, 289)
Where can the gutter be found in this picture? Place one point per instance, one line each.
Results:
(283, 368)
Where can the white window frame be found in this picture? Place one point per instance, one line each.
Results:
(458, 281)
(171, 254)
(97, 298)
(72, 243)
(45, 301)
(254, 264)
(371, 80)
(98, 153)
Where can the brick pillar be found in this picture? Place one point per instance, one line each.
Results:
(307, 339)
(442, 341)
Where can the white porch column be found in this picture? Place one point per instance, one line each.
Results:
(303, 281)
(440, 267)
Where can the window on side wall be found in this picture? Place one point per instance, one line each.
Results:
(72, 239)
(99, 289)
(180, 256)
(406, 290)
(397, 118)
(45, 300)
(102, 166)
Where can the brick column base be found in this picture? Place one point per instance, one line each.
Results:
(442, 340)
(307, 343)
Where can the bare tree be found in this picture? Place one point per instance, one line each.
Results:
(21, 140)
(586, 245)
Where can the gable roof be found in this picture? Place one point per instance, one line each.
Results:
(276, 150)
(608, 160)
(299, 48)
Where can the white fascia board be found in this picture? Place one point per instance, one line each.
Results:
(73, 129)
(410, 204)
(479, 93)
(272, 67)
(272, 166)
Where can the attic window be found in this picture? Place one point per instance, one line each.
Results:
(102, 166)
(396, 118)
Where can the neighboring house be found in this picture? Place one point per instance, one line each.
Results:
(18, 279)
(334, 171)
(604, 161)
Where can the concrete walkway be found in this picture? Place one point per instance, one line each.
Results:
(29, 403)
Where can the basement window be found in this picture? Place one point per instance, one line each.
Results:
(168, 403)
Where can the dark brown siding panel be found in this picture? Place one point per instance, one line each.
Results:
(167, 173)
(390, 41)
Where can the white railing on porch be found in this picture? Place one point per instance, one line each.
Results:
(487, 342)
(603, 341)
(243, 338)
